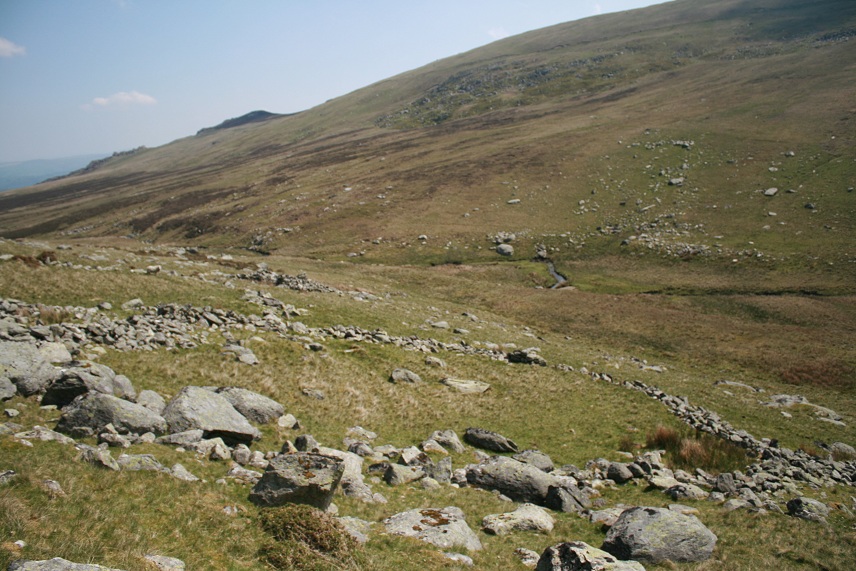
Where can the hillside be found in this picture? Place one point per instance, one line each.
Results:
(623, 245)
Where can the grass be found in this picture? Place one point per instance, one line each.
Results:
(688, 451)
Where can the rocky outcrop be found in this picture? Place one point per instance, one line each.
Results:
(520, 482)
(24, 366)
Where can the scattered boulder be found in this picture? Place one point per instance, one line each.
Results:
(809, 509)
(401, 375)
(580, 556)
(445, 528)
(526, 357)
(163, 563)
(89, 414)
(448, 439)
(527, 517)
(357, 528)
(198, 408)
(23, 365)
(398, 474)
(140, 462)
(466, 387)
(566, 498)
(488, 440)
(98, 457)
(7, 388)
(7, 476)
(255, 407)
(619, 472)
(78, 381)
(44, 434)
(505, 250)
(686, 492)
(300, 478)
(520, 482)
(180, 472)
(528, 557)
(658, 534)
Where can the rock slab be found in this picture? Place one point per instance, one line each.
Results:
(198, 408)
(445, 528)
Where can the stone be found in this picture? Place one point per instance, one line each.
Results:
(527, 517)
(449, 440)
(528, 356)
(90, 413)
(23, 365)
(163, 563)
(566, 498)
(686, 492)
(398, 474)
(55, 564)
(658, 534)
(808, 509)
(357, 528)
(432, 361)
(536, 458)
(306, 443)
(55, 353)
(187, 438)
(180, 472)
(255, 407)
(619, 472)
(460, 558)
(725, 483)
(840, 450)
(45, 435)
(607, 517)
(401, 375)
(432, 446)
(140, 462)
(520, 482)
(152, 401)
(53, 489)
(243, 475)
(527, 557)
(488, 440)
(467, 387)
(301, 478)
(505, 250)
(352, 483)
(580, 556)
(98, 457)
(445, 528)
(198, 408)
(7, 476)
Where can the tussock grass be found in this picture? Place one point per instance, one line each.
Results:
(689, 451)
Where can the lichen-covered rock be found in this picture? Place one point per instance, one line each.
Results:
(580, 556)
(527, 517)
(255, 407)
(199, 408)
(658, 534)
(89, 414)
(445, 528)
(301, 478)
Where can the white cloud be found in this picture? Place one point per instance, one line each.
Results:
(11, 49)
(122, 98)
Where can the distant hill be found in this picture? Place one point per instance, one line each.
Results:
(27, 173)
(717, 130)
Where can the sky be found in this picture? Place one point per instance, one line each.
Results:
(98, 76)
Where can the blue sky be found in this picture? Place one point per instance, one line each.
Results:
(97, 76)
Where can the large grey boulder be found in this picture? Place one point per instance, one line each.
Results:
(537, 458)
(658, 534)
(809, 509)
(520, 482)
(23, 365)
(255, 407)
(527, 517)
(566, 497)
(89, 414)
(445, 528)
(55, 564)
(301, 478)
(481, 438)
(580, 556)
(84, 378)
(199, 408)
(152, 401)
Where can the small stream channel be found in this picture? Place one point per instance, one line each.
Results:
(560, 279)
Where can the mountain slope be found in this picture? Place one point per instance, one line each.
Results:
(576, 122)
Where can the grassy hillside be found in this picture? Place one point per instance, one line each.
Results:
(636, 152)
